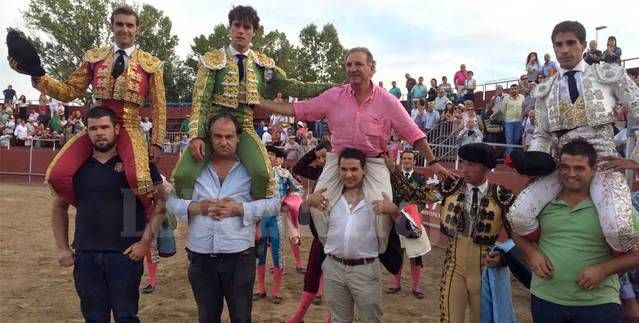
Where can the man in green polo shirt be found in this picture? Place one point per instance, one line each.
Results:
(575, 273)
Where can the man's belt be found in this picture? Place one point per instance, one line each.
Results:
(354, 262)
(220, 255)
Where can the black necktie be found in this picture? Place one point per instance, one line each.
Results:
(572, 86)
(118, 67)
(474, 204)
(240, 65)
(407, 174)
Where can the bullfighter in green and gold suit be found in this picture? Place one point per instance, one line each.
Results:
(231, 80)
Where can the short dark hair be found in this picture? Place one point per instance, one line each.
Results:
(98, 112)
(352, 153)
(224, 115)
(324, 144)
(244, 14)
(125, 10)
(568, 26)
(414, 153)
(580, 147)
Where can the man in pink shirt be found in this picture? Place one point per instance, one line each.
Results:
(360, 115)
(460, 79)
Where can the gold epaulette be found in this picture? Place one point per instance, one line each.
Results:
(95, 55)
(608, 73)
(149, 63)
(214, 60)
(263, 60)
(450, 185)
(504, 196)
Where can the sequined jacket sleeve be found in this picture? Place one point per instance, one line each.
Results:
(404, 190)
(627, 93)
(201, 102)
(74, 87)
(279, 82)
(542, 139)
(158, 105)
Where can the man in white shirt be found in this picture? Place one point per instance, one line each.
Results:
(266, 136)
(146, 128)
(221, 218)
(440, 101)
(351, 269)
(20, 132)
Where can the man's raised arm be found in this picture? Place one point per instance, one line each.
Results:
(277, 108)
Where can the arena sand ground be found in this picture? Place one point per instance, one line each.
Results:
(34, 288)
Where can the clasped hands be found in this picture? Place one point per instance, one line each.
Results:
(219, 209)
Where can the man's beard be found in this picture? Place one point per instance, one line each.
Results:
(108, 146)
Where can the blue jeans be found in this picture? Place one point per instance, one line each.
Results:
(107, 281)
(513, 134)
(547, 312)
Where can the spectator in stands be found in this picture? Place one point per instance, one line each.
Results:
(529, 128)
(76, 120)
(469, 134)
(10, 124)
(305, 146)
(523, 82)
(184, 127)
(22, 107)
(432, 92)
(395, 91)
(613, 52)
(184, 143)
(447, 115)
(431, 118)
(458, 116)
(394, 146)
(496, 100)
(469, 87)
(513, 106)
(440, 101)
(593, 55)
(301, 131)
(529, 99)
(33, 116)
(446, 87)
(493, 123)
(419, 91)
(43, 100)
(540, 78)
(9, 95)
(20, 132)
(147, 125)
(550, 67)
(532, 67)
(410, 83)
(380, 84)
(312, 141)
(292, 149)
(420, 116)
(266, 136)
(471, 115)
(460, 79)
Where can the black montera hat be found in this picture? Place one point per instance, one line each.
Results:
(533, 163)
(478, 153)
(24, 53)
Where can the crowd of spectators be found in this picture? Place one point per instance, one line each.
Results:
(443, 110)
(42, 125)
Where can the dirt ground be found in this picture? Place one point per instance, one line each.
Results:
(33, 288)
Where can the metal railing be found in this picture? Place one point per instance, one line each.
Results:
(30, 172)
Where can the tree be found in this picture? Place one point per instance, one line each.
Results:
(61, 53)
(320, 57)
